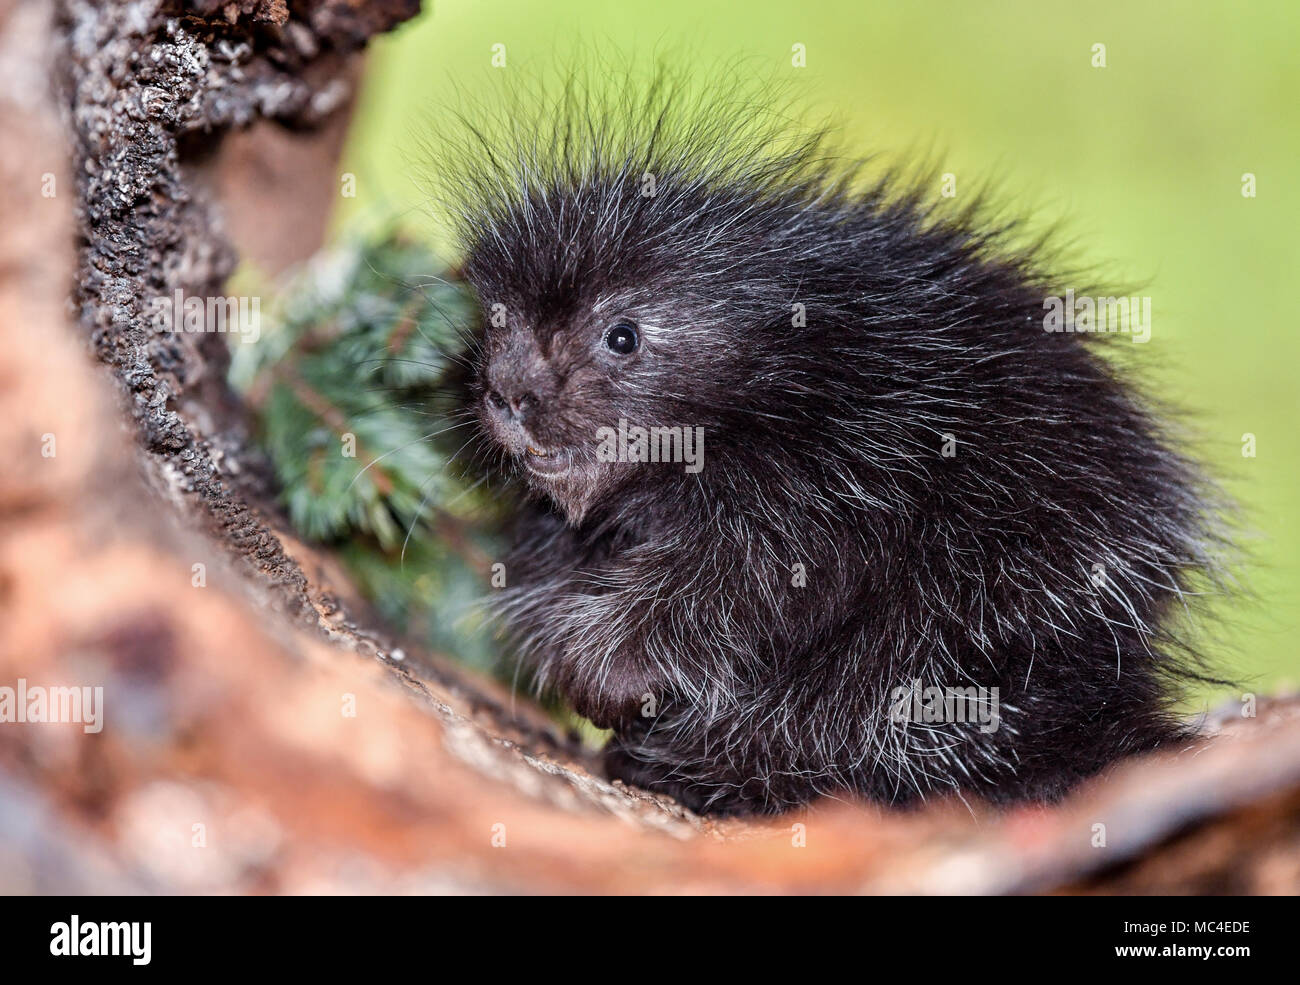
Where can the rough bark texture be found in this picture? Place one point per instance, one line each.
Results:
(226, 762)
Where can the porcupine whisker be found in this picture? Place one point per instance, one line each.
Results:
(408, 444)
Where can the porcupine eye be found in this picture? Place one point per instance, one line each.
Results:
(622, 338)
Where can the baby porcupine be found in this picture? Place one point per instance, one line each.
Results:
(907, 482)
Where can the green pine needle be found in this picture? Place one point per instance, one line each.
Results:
(351, 386)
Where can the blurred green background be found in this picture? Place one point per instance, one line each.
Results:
(1143, 158)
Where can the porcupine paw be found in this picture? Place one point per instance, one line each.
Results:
(622, 762)
(612, 699)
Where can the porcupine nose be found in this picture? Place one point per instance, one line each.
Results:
(517, 378)
(514, 402)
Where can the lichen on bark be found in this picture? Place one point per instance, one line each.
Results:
(148, 86)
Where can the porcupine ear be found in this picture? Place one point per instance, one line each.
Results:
(505, 154)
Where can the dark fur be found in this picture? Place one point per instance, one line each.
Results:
(823, 448)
